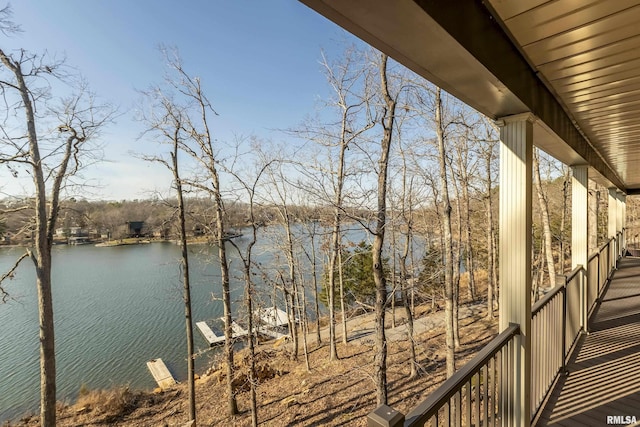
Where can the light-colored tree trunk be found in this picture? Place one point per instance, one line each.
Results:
(594, 206)
(201, 149)
(77, 123)
(345, 334)
(490, 256)
(563, 220)
(544, 214)
(394, 279)
(448, 259)
(457, 257)
(462, 155)
(407, 213)
(388, 119)
(186, 285)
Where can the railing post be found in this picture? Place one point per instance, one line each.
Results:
(584, 286)
(385, 416)
(598, 278)
(564, 324)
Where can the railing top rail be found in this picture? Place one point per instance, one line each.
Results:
(545, 300)
(430, 406)
(574, 273)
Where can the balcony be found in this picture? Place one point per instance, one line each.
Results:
(581, 373)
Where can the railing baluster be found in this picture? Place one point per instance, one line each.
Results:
(457, 409)
(485, 398)
(478, 395)
(447, 414)
(468, 403)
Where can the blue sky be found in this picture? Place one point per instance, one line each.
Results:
(257, 59)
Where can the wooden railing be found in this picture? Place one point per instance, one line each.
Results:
(472, 396)
(479, 394)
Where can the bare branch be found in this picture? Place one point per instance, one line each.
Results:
(9, 275)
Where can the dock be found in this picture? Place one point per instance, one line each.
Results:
(273, 317)
(215, 336)
(270, 332)
(273, 322)
(237, 330)
(161, 373)
(208, 333)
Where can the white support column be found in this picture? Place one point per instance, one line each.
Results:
(619, 212)
(613, 213)
(580, 232)
(620, 198)
(516, 153)
(623, 219)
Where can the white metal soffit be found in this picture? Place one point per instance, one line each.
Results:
(588, 53)
(574, 63)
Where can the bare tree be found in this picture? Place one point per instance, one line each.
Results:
(165, 121)
(200, 146)
(406, 212)
(430, 100)
(351, 103)
(281, 198)
(388, 119)
(488, 142)
(544, 214)
(249, 185)
(52, 145)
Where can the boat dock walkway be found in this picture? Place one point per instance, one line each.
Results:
(215, 336)
(271, 321)
(161, 373)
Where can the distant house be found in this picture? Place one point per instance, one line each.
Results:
(73, 231)
(77, 232)
(134, 229)
(198, 230)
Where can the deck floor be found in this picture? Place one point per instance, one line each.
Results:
(604, 370)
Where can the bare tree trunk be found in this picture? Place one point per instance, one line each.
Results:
(563, 220)
(305, 322)
(490, 257)
(314, 278)
(186, 285)
(292, 279)
(457, 256)
(405, 298)
(594, 206)
(342, 308)
(544, 213)
(251, 347)
(447, 238)
(488, 153)
(41, 259)
(232, 404)
(331, 286)
(380, 362)
(77, 129)
(462, 154)
(494, 271)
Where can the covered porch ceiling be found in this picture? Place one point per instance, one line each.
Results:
(574, 64)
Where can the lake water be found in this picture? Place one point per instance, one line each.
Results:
(115, 308)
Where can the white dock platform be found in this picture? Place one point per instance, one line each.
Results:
(211, 337)
(237, 330)
(270, 332)
(272, 317)
(161, 373)
(217, 338)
